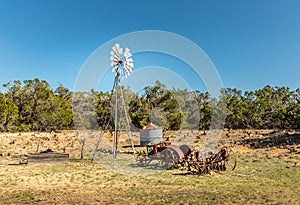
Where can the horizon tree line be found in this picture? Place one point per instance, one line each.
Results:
(32, 105)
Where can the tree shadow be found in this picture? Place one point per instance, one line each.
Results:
(185, 174)
(279, 141)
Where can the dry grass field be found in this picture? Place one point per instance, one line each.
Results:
(268, 172)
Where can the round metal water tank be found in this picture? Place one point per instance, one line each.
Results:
(150, 135)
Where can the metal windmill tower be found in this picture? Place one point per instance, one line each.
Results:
(122, 65)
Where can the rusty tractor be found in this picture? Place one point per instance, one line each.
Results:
(187, 158)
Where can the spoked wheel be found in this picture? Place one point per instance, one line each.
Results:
(142, 160)
(170, 156)
(230, 161)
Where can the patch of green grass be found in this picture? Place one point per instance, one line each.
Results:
(72, 178)
(86, 175)
(25, 196)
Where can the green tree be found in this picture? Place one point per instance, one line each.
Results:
(103, 109)
(161, 106)
(204, 104)
(3, 112)
(16, 98)
(237, 109)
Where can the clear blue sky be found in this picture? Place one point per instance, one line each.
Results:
(252, 43)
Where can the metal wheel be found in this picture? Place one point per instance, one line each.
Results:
(187, 149)
(230, 161)
(142, 161)
(170, 156)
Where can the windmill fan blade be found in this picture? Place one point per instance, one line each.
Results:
(115, 68)
(127, 53)
(116, 47)
(128, 67)
(116, 50)
(128, 71)
(114, 58)
(129, 60)
(113, 53)
(120, 51)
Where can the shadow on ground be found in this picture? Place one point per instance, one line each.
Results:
(279, 141)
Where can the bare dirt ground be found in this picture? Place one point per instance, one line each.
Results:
(268, 172)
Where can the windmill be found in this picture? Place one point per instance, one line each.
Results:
(122, 64)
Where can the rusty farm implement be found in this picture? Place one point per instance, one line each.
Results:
(187, 158)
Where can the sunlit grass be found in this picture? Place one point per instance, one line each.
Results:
(257, 180)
